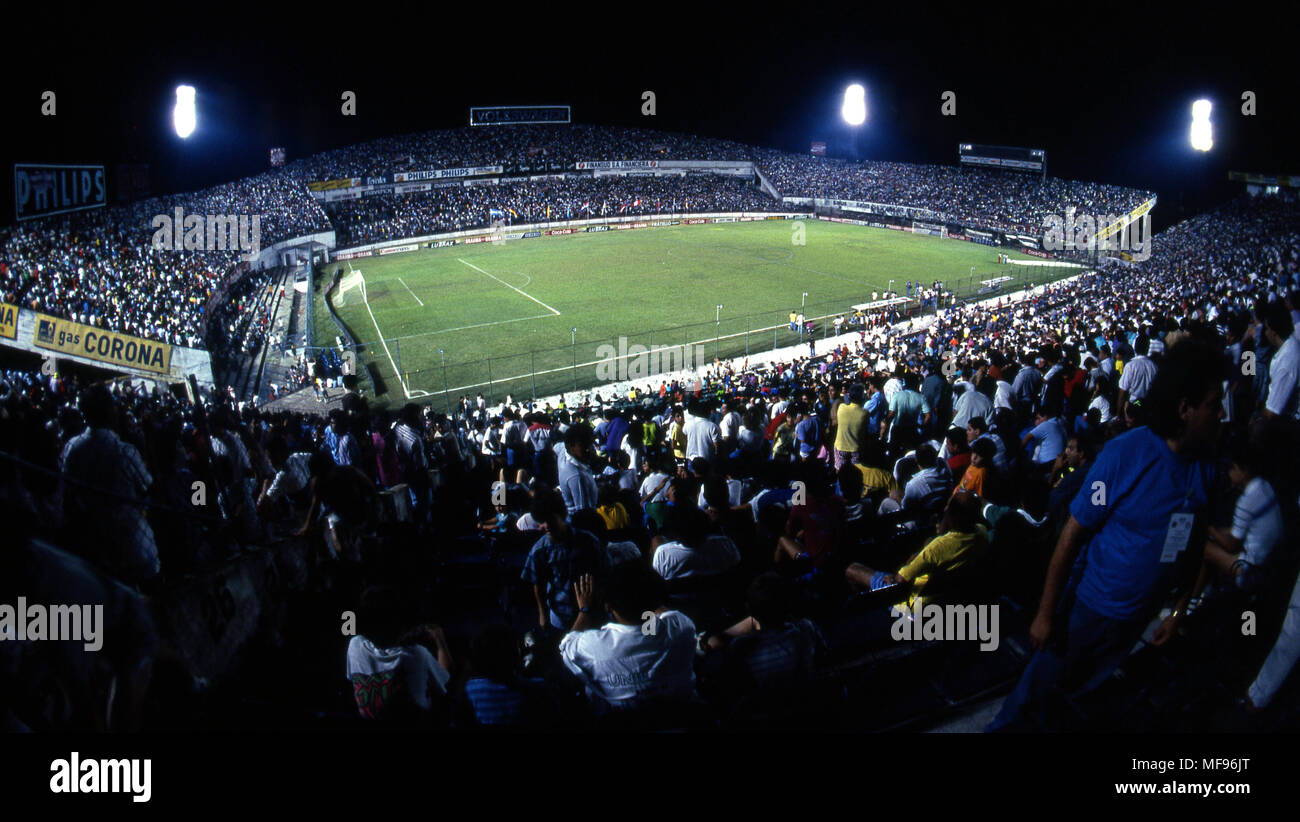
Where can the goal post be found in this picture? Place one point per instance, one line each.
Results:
(933, 229)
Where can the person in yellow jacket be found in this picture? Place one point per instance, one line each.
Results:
(677, 434)
(850, 420)
(961, 541)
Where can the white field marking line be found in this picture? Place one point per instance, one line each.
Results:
(511, 287)
(409, 291)
(476, 325)
(660, 348)
(382, 341)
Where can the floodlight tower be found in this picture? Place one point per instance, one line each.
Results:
(854, 112)
(183, 115)
(1202, 133)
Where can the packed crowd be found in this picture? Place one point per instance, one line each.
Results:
(698, 552)
(102, 268)
(457, 208)
(998, 200)
(466, 147)
(241, 323)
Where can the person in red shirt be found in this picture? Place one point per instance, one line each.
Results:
(958, 453)
(813, 529)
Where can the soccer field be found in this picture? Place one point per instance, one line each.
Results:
(497, 318)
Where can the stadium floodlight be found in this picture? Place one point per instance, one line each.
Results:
(1202, 138)
(854, 110)
(183, 117)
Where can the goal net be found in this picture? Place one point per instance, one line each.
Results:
(350, 289)
(929, 228)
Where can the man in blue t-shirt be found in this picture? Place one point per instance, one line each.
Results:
(809, 435)
(1046, 440)
(1128, 527)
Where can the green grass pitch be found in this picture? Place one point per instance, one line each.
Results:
(502, 313)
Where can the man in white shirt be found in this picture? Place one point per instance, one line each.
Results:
(393, 675)
(714, 555)
(292, 474)
(577, 483)
(729, 428)
(973, 403)
(892, 386)
(1002, 396)
(645, 653)
(932, 484)
(691, 551)
(1135, 381)
(702, 434)
(1284, 369)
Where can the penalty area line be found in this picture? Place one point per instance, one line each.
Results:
(396, 372)
(475, 325)
(409, 291)
(511, 287)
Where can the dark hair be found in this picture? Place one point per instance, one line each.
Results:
(97, 406)
(1247, 455)
(979, 424)
(633, 588)
(850, 482)
(769, 598)
(717, 494)
(687, 524)
(1188, 372)
(1086, 444)
(380, 618)
(957, 436)
(872, 452)
(962, 513)
(494, 653)
(547, 505)
(579, 434)
(926, 455)
(277, 450)
(906, 469)
(1278, 318)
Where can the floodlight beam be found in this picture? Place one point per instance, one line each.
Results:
(183, 114)
(854, 109)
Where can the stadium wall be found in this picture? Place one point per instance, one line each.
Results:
(354, 188)
(55, 337)
(529, 230)
(273, 256)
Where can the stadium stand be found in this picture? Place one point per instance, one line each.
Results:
(647, 563)
(102, 269)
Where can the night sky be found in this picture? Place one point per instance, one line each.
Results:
(1107, 95)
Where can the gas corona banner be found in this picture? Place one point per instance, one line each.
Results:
(109, 347)
(8, 321)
